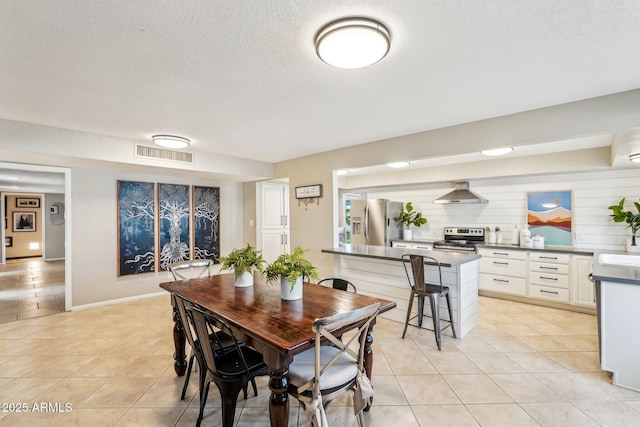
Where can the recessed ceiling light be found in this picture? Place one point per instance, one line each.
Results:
(497, 151)
(342, 172)
(635, 158)
(170, 141)
(352, 42)
(398, 164)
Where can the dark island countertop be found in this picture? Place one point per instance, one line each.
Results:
(445, 258)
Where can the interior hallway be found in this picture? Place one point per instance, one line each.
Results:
(30, 287)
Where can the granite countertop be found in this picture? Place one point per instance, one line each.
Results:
(445, 258)
(558, 249)
(611, 273)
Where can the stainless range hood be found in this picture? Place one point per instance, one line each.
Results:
(461, 194)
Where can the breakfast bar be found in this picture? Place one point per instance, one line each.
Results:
(377, 271)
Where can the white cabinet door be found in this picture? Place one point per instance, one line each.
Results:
(583, 288)
(274, 220)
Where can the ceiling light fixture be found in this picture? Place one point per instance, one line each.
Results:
(497, 151)
(341, 172)
(352, 42)
(635, 158)
(170, 141)
(398, 164)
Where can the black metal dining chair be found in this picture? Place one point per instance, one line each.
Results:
(190, 269)
(341, 284)
(231, 371)
(420, 289)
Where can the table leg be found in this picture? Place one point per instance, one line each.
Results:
(180, 357)
(279, 402)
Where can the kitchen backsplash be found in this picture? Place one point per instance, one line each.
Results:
(592, 193)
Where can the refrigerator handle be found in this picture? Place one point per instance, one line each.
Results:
(366, 223)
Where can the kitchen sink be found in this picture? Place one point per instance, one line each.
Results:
(619, 260)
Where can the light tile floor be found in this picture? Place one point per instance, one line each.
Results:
(522, 366)
(30, 288)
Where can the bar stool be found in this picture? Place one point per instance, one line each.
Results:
(420, 289)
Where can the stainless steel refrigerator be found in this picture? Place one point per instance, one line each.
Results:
(372, 222)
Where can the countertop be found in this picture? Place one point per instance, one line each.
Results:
(618, 274)
(445, 258)
(420, 240)
(557, 249)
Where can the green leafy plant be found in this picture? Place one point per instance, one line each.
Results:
(408, 216)
(632, 219)
(243, 260)
(291, 266)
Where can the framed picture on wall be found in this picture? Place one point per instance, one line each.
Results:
(27, 202)
(136, 228)
(549, 215)
(24, 221)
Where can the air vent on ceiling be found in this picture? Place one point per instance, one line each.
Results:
(163, 154)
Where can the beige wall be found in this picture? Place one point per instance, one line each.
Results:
(313, 227)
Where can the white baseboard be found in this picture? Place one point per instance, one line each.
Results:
(118, 301)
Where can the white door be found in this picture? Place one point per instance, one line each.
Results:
(274, 220)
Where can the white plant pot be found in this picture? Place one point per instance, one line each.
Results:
(633, 249)
(245, 280)
(407, 234)
(287, 293)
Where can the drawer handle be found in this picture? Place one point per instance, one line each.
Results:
(500, 280)
(542, 267)
(548, 278)
(548, 257)
(548, 292)
(501, 253)
(500, 263)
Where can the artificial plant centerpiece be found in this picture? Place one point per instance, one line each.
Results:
(289, 270)
(243, 261)
(408, 217)
(619, 214)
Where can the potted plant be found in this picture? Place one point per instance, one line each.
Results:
(243, 261)
(290, 269)
(408, 217)
(632, 219)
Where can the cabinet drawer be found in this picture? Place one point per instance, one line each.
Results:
(545, 292)
(547, 267)
(505, 284)
(503, 267)
(549, 257)
(502, 253)
(549, 279)
(425, 246)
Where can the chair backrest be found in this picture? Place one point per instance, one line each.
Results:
(182, 304)
(204, 323)
(191, 269)
(323, 329)
(417, 278)
(341, 284)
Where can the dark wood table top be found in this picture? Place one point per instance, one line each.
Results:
(259, 313)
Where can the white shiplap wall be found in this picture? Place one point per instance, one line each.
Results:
(592, 193)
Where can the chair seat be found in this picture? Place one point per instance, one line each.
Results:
(227, 364)
(341, 372)
(435, 289)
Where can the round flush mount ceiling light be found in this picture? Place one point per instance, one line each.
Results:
(352, 42)
(497, 151)
(398, 165)
(635, 158)
(170, 141)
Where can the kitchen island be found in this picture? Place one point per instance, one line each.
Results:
(378, 271)
(618, 302)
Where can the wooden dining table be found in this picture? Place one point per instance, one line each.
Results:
(277, 328)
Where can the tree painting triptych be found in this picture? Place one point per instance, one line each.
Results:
(174, 223)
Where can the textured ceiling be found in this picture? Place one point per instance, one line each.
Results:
(241, 77)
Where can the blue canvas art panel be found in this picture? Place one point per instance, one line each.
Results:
(136, 226)
(206, 223)
(174, 216)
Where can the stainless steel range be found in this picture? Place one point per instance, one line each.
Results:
(460, 239)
